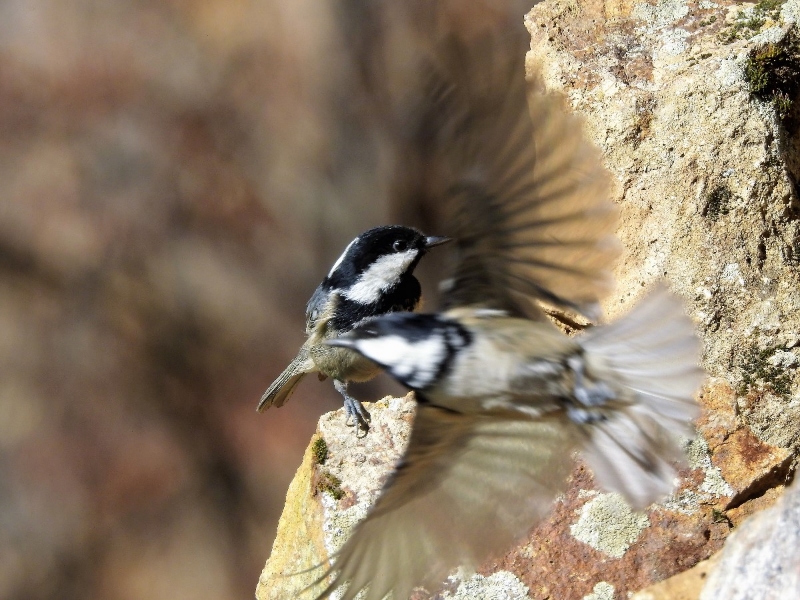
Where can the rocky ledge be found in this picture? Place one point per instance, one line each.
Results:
(592, 547)
(696, 107)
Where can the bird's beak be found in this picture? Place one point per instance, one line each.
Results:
(436, 240)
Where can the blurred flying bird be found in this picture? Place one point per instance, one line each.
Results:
(502, 404)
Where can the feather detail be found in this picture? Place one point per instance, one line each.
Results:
(279, 391)
(500, 466)
(506, 171)
(653, 352)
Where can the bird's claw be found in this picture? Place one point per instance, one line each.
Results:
(357, 416)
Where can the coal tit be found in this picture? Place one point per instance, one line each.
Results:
(373, 276)
(502, 404)
(504, 396)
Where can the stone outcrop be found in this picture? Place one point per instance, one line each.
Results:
(337, 482)
(696, 107)
(762, 558)
(705, 172)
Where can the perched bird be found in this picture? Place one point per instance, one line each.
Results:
(504, 397)
(373, 276)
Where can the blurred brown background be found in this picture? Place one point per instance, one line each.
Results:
(177, 176)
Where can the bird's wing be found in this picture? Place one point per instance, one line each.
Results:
(506, 171)
(320, 311)
(386, 43)
(497, 465)
(654, 354)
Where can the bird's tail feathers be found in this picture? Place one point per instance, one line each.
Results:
(654, 353)
(279, 391)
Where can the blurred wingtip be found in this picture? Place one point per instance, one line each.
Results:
(653, 352)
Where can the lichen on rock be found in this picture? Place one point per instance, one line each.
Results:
(501, 585)
(705, 171)
(601, 591)
(607, 524)
(705, 165)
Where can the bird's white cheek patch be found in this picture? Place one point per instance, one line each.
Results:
(383, 350)
(413, 363)
(380, 276)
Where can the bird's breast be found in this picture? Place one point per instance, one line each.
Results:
(343, 364)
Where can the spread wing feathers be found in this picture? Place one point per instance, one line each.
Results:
(387, 42)
(654, 353)
(520, 189)
(279, 391)
(501, 466)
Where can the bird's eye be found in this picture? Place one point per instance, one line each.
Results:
(399, 245)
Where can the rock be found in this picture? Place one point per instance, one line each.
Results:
(705, 166)
(750, 466)
(761, 560)
(704, 171)
(737, 515)
(299, 544)
(720, 416)
(745, 464)
(589, 532)
(607, 524)
(338, 480)
(592, 538)
(591, 547)
(501, 585)
(684, 586)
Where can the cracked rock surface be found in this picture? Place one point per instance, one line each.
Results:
(762, 558)
(339, 479)
(688, 102)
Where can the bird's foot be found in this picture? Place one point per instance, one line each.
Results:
(353, 409)
(357, 416)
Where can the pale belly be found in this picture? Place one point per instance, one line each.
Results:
(343, 364)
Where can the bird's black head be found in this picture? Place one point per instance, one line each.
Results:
(415, 349)
(377, 260)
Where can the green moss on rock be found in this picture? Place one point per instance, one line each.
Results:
(319, 451)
